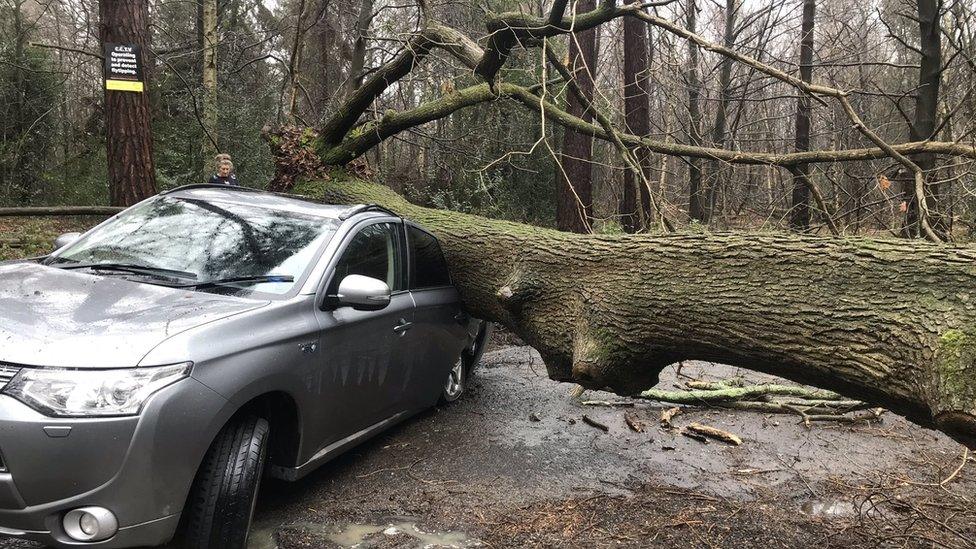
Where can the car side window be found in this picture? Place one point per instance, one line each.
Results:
(428, 269)
(373, 252)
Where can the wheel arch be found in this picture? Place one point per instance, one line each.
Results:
(281, 411)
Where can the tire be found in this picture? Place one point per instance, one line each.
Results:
(456, 382)
(472, 355)
(221, 504)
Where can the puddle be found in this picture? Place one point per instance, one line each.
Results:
(364, 536)
(828, 509)
(261, 537)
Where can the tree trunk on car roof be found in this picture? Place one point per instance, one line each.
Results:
(613, 311)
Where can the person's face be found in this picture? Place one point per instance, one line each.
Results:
(223, 171)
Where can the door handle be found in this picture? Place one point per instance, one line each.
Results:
(402, 327)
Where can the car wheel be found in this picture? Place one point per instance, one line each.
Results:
(456, 381)
(472, 355)
(221, 505)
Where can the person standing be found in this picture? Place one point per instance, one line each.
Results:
(225, 171)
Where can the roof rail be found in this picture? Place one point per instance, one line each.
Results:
(213, 186)
(365, 208)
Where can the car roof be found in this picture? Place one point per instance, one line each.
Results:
(253, 197)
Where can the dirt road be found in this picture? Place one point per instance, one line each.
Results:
(514, 465)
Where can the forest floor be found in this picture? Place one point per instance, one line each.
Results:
(27, 237)
(513, 464)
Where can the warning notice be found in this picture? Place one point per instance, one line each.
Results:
(123, 68)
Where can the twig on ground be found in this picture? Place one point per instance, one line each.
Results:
(609, 403)
(965, 459)
(636, 424)
(594, 423)
(714, 432)
(668, 415)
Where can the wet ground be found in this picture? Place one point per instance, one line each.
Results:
(513, 464)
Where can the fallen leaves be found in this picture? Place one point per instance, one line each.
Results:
(884, 182)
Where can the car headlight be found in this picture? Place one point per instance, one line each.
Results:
(85, 393)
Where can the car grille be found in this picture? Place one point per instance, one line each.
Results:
(7, 372)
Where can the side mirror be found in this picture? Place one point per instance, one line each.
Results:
(65, 239)
(363, 293)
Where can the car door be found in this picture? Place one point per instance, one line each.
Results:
(361, 352)
(439, 321)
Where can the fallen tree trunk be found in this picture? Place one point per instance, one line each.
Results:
(613, 311)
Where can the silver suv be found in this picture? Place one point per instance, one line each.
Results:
(153, 369)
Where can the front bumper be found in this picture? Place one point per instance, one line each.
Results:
(140, 468)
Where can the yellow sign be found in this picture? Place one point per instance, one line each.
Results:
(124, 85)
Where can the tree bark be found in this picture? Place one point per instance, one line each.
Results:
(614, 311)
(926, 114)
(800, 212)
(208, 45)
(720, 130)
(358, 61)
(129, 145)
(574, 191)
(697, 207)
(638, 122)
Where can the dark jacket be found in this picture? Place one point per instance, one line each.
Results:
(229, 180)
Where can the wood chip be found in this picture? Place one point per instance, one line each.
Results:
(668, 415)
(634, 422)
(594, 423)
(712, 432)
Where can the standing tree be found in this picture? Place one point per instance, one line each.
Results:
(208, 24)
(638, 122)
(924, 125)
(358, 61)
(574, 195)
(800, 213)
(697, 206)
(128, 125)
(720, 129)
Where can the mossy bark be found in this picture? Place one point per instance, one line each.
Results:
(612, 311)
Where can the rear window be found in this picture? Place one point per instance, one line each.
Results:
(428, 269)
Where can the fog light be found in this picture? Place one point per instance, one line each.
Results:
(90, 524)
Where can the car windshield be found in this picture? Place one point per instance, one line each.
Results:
(209, 240)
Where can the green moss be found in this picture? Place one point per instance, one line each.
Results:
(308, 137)
(609, 348)
(956, 371)
(953, 339)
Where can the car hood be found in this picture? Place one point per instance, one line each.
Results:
(64, 318)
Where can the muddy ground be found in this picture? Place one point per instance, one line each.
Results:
(514, 465)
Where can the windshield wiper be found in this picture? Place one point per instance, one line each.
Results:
(258, 279)
(134, 269)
